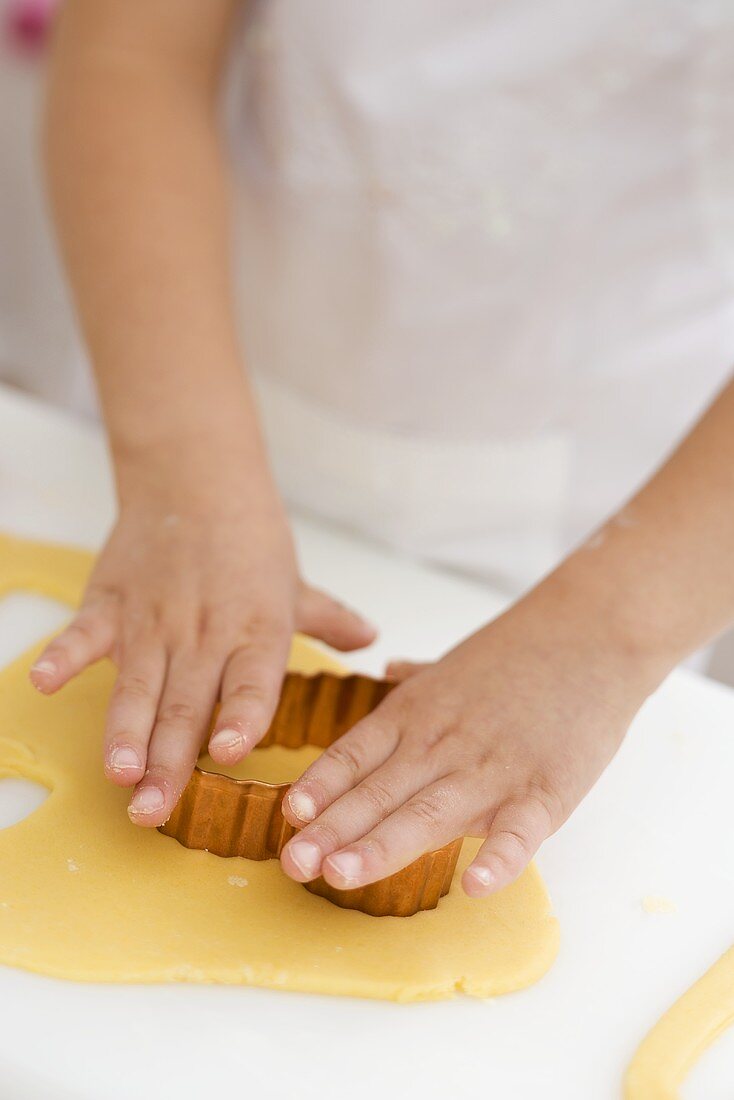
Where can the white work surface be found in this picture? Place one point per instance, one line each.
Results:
(658, 823)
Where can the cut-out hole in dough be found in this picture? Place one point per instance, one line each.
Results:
(19, 798)
(25, 618)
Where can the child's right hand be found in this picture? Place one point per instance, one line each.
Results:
(197, 592)
(195, 597)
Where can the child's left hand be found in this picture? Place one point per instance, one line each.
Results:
(501, 738)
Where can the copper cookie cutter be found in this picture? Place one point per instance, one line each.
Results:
(243, 817)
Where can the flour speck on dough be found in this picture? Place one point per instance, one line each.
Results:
(71, 865)
(237, 880)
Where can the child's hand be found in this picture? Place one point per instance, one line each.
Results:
(195, 598)
(501, 739)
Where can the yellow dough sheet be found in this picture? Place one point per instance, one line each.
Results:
(87, 895)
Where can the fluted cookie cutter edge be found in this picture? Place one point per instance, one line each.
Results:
(243, 817)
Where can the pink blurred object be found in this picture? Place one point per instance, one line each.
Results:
(27, 23)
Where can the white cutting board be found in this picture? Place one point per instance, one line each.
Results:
(658, 823)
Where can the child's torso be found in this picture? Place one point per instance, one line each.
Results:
(503, 197)
(481, 222)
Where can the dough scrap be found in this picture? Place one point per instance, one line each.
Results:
(652, 903)
(665, 1057)
(139, 907)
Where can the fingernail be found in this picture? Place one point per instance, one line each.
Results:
(306, 856)
(46, 667)
(348, 865)
(482, 875)
(227, 740)
(302, 805)
(124, 758)
(148, 800)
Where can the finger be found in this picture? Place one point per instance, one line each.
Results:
(516, 833)
(87, 638)
(321, 616)
(403, 670)
(342, 766)
(351, 816)
(132, 710)
(433, 817)
(183, 717)
(251, 687)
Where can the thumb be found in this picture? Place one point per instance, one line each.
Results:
(323, 617)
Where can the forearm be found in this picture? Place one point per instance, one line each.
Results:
(138, 186)
(659, 576)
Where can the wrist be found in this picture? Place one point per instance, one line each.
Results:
(196, 470)
(177, 425)
(613, 611)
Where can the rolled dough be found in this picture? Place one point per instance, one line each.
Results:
(667, 1054)
(86, 895)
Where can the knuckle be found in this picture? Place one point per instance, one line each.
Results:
(247, 690)
(134, 687)
(98, 592)
(545, 804)
(179, 712)
(175, 632)
(142, 621)
(214, 628)
(378, 796)
(519, 833)
(56, 649)
(511, 851)
(82, 628)
(346, 757)
(428, 809)
(327, 834)
(254, 661)
(424, 738)
(241, 655)
(515, 839)
(367, 730)
(261, 626)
